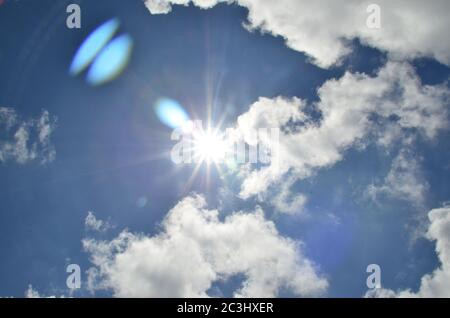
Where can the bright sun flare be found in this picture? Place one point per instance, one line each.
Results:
(209, 147)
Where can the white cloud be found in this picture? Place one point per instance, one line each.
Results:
(26, 141)
(322, 28)
(354, 108)
(195, 249)
(436, 284)
(285, 201)
(94, 224)
(8, 117)
(165, 6)
(404, 180)
(33, 293)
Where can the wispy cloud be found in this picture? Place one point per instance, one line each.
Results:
(24, 141)
(93, 224)
(404, 181)
(33, 293)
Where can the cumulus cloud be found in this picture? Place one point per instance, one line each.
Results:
(322, 28)
(404, 180)
(23, 141)
(437, 283)
(354, 109)
(195, 249)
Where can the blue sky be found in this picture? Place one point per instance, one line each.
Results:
(108, 153)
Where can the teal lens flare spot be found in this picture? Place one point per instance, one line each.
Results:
(111, 61)
(171, 113)
(95, 42)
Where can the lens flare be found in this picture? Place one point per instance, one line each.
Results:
(171, 113)
(112, 61)
(93, 45)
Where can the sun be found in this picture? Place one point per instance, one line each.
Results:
(209, 146)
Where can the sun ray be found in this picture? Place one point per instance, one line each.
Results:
(192, 178)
